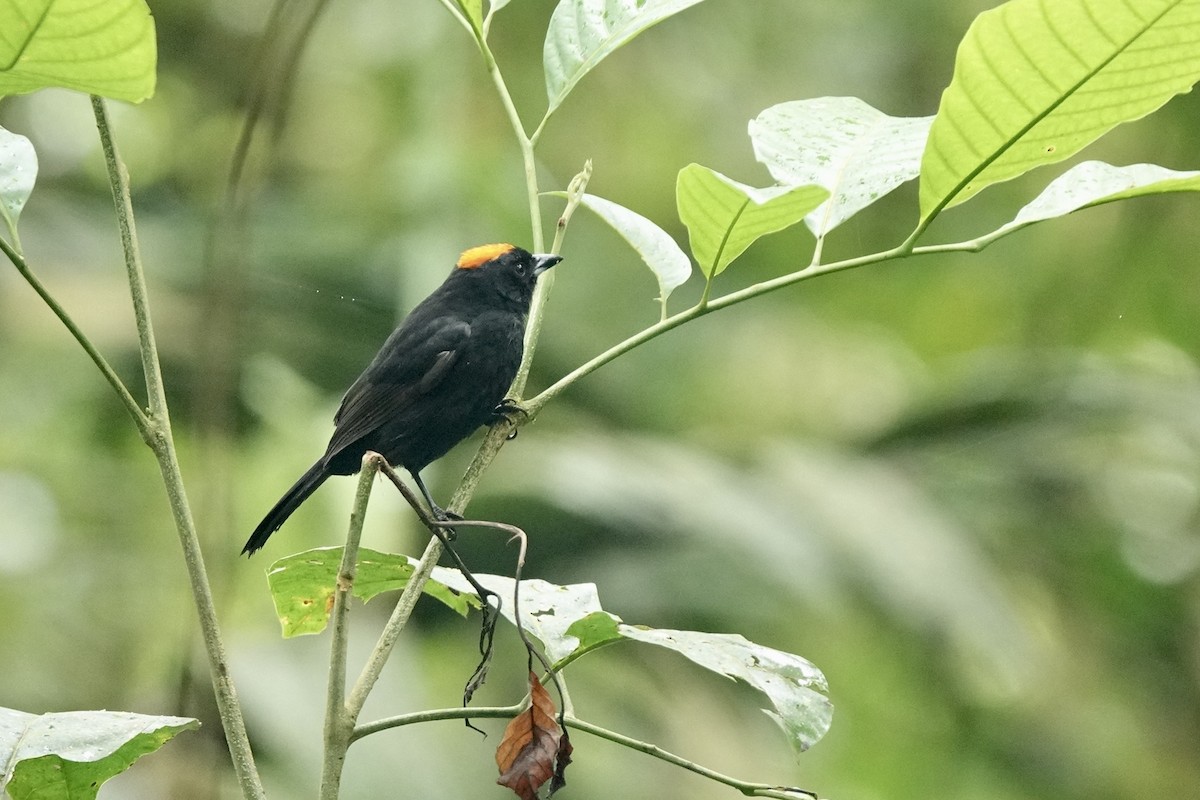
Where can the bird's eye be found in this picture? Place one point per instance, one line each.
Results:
(521, 268)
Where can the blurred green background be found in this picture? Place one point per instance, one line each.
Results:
(966, 487)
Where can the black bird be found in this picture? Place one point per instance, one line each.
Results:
(437, 378)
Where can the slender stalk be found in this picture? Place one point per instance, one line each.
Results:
(458, 712)
(525, 143)
(339, 724)
(159, 438)
(131, 405)
(460, 17)
(534, 404)
(706, 306)
(748, 788)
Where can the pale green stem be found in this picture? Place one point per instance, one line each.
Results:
(131, 405)
(157, 433)
(339, 719)
(748, 788)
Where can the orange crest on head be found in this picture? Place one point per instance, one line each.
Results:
(478, 256)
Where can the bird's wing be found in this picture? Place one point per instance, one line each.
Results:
(404, 370)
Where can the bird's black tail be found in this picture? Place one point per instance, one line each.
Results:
(296, 495)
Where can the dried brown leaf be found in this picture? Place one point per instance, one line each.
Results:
(530, 746)
(561, 761)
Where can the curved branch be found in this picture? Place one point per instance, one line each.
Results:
(748, 788)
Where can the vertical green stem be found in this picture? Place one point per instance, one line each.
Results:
(339, 718)
(158, 436)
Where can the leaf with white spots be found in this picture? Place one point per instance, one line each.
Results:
(856, 152)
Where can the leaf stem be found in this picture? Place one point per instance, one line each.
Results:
(157, 433)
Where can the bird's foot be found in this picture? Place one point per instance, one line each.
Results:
(442, 515)
(513, 412)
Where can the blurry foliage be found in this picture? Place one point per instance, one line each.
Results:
(966, 487)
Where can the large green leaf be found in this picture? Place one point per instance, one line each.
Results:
(302, 586)
(68, 755)
(105, 48)
(18, 171)
(583, 33)
(658, 250)
(856, 152)
(1037, 80)
(724, 217)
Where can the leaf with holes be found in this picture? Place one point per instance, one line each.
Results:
(794, 686)
(302, 586)
(583, 33)
(103, 48)
(570, 623)
(1093, 183)
(724, 217)
(1034, 82)
(856, 152)
(529, 751)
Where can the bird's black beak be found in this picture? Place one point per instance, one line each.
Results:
(543, 262)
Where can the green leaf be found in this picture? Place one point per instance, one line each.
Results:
(1034, 82)
(856, 152)
(105, 48)
(18, 171)
(68, 755)
(302, 586)
(1093, 183)
(794, 686)
(569, 622)
(595, 630)
(583, 33)
(724, 217)
(658, 250)
(473, 9)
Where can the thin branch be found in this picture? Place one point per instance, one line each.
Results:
(338, 723)
(456, 12)
(118, 178)
(458, 712)
(575, 191)
(748, 788)
(159, 438)
(905, 250)
(131, 405)
(534, 404)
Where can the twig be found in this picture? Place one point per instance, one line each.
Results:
(158, 436)
(131, 405)
(338, 723)
(748, 788)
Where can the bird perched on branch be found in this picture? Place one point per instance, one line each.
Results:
(438, 377)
